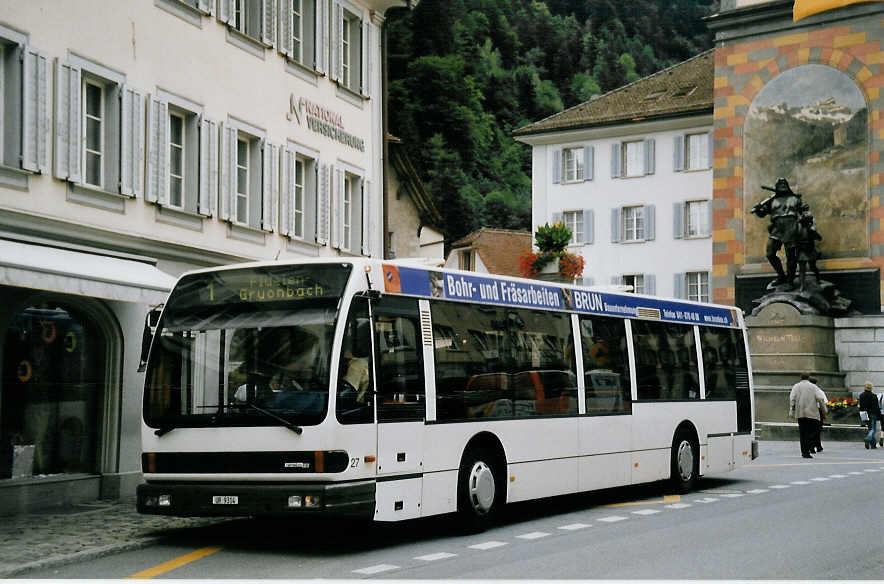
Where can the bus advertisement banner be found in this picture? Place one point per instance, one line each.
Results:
(470, 288)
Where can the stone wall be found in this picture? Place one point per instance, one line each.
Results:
(859, 343)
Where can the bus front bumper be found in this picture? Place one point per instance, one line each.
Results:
(356, 499)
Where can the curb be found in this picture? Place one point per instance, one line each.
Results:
(61, 560)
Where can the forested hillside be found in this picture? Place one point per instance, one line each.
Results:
(465, 73)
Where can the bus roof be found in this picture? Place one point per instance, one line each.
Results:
(412, 278)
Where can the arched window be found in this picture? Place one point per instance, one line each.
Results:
(52, 392)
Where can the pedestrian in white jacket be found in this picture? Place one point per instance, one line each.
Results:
(807, 403)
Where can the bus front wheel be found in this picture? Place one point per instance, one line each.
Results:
(479, 492)
(685, 467)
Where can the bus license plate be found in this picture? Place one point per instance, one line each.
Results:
(225, 500)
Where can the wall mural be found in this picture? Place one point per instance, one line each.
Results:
(810, 125)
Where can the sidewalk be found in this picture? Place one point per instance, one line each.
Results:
(61, 536)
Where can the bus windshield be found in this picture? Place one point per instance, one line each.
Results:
(245, 347)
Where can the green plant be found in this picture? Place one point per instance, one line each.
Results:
(552, 239)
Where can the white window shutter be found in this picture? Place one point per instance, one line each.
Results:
(268, 22)
(710, 141)
(226, 11)
(206, 7)
(368, 227)
(208, 157)
(132, 142)
(678, 220)
(678, 285)
(588, 226)
(364, 79)
(615, 160)
(338, 28)
(678, 153)
(588, 163)
(67, 122)
(371, 34)
(321, 41)
(650, 156)
(615, 225)
(227, 179)
(157, 187)
(650, 284)
(270, 188)
(649, 222)
(337, 198)
(323, 211)
(286, 25)
(286, 191)
(557, 166)
(35, 110)
(616, 280)
(709, 218)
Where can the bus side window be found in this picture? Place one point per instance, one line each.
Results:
(355, 387)
(605, 365)
(400, 366)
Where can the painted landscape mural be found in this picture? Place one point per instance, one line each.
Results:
(810, 125)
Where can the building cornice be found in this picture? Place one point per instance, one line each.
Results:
(775, 17)
(14, 224)
(613, 130)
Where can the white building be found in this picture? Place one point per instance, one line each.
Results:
(630, 173)
(142, 139)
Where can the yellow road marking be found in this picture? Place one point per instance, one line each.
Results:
(175, 563)
(666, 499)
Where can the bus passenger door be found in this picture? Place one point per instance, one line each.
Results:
(401, 407)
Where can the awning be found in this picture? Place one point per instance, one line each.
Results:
(75, 272)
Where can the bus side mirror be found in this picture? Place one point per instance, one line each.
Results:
(151, 319)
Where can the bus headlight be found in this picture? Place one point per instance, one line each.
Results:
(311, 501)
(164, 500)
(295, 501)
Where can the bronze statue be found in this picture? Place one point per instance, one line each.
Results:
(807, 250)
(784, 207)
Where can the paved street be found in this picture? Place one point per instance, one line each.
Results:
(781, 517)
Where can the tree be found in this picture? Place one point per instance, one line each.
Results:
(464, 73)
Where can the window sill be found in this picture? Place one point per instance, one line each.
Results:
(350, 96)
(95, 197)
(179, 217)
(14, 178)
(302, 71)
(245, 42)
(245, 233)
(704, 236)
(686, 170)
(188, 14)
(632, 241)
(302, 246)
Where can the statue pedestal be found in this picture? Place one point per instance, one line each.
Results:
(783, 343)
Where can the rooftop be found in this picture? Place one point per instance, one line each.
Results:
(683, 89)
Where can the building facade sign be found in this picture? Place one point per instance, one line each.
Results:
(322, 121)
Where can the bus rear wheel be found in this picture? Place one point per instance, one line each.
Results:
(479, 491)
(685, 465)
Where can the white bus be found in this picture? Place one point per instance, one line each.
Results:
(389, 391)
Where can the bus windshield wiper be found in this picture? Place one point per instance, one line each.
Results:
(163, 430)
(293, 427)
